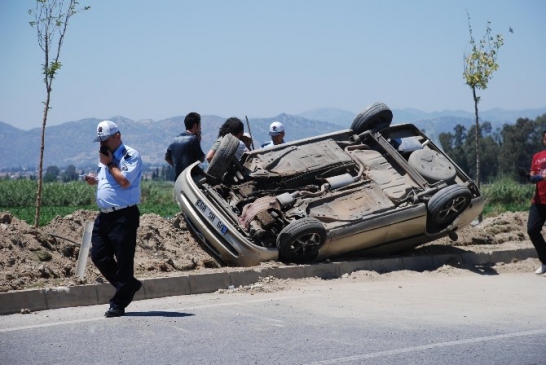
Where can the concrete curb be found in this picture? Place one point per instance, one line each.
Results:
(93, 294)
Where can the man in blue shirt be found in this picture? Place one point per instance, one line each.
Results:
(185, 149)
(276, 131)
(113, 241)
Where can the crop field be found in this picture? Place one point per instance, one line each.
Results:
(19, 198)
(507, 195)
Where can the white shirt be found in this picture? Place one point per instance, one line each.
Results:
(109, 192)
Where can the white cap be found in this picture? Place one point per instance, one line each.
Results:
(105, 129)
(276, 128)
(247, 135)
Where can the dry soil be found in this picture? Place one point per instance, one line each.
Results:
(47, 256)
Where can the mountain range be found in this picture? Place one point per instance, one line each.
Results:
(71, 143)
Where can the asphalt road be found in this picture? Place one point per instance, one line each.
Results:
(399, 318)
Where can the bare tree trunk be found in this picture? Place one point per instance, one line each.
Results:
(50, 20)
(40, 167)
(477, 145)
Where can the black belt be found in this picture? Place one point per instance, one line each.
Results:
(115, 209)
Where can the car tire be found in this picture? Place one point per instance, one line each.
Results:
(224, 155)
(374, 118)
(300, 241)
(432, 165)
(446, 205)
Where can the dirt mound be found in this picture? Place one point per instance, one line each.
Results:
(506, 227)
(47, 256)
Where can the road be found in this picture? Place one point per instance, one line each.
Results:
(366, 318)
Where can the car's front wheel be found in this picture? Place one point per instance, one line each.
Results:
(300, 241)
(446, 205)
(375, 118)
(224, 155)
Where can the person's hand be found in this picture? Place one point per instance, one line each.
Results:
(523, 172)
(105, 156)
(535, 178)
(90, 178)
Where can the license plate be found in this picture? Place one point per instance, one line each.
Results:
(208, 214)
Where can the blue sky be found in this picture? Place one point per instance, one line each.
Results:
(145, 59)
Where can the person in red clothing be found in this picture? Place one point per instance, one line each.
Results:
(537, 212)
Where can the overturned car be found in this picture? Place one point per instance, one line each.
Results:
(372, 189)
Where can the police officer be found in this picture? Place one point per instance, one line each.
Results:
(113, 240)
(276, 131)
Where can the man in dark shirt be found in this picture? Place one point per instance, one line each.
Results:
(185, 149)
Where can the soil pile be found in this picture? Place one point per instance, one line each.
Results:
(47, 256)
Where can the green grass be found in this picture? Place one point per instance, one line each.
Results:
(505, 195)
(61, 199)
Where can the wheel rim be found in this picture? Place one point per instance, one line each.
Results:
(305, 244)
(454, 207)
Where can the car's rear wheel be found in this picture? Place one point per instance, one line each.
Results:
(432, 165)
(300, 241)
(446, 205)
(374, 118)
(223, 156)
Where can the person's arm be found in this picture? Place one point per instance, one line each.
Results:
(168, 157)
(115, 170)
(210, 155)
(534, 176)
(213, 149)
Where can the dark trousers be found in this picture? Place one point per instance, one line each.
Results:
(537, 218)
(113, 251)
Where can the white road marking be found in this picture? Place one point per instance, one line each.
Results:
(3, 330)
(427, 347)
(50, 324)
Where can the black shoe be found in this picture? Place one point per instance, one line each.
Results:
(137, 287)
(114, 312)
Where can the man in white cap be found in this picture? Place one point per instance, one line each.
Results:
(115, 230)
(276, 131)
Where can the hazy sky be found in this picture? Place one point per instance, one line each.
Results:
(163, 58)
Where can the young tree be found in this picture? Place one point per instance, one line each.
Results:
(479, 67)
(50, 21)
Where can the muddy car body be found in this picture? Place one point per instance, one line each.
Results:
(375, 188)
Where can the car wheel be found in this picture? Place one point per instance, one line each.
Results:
(432, 165)
(446, 205)
(301, 240)
(375, 118)
(223, 156)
